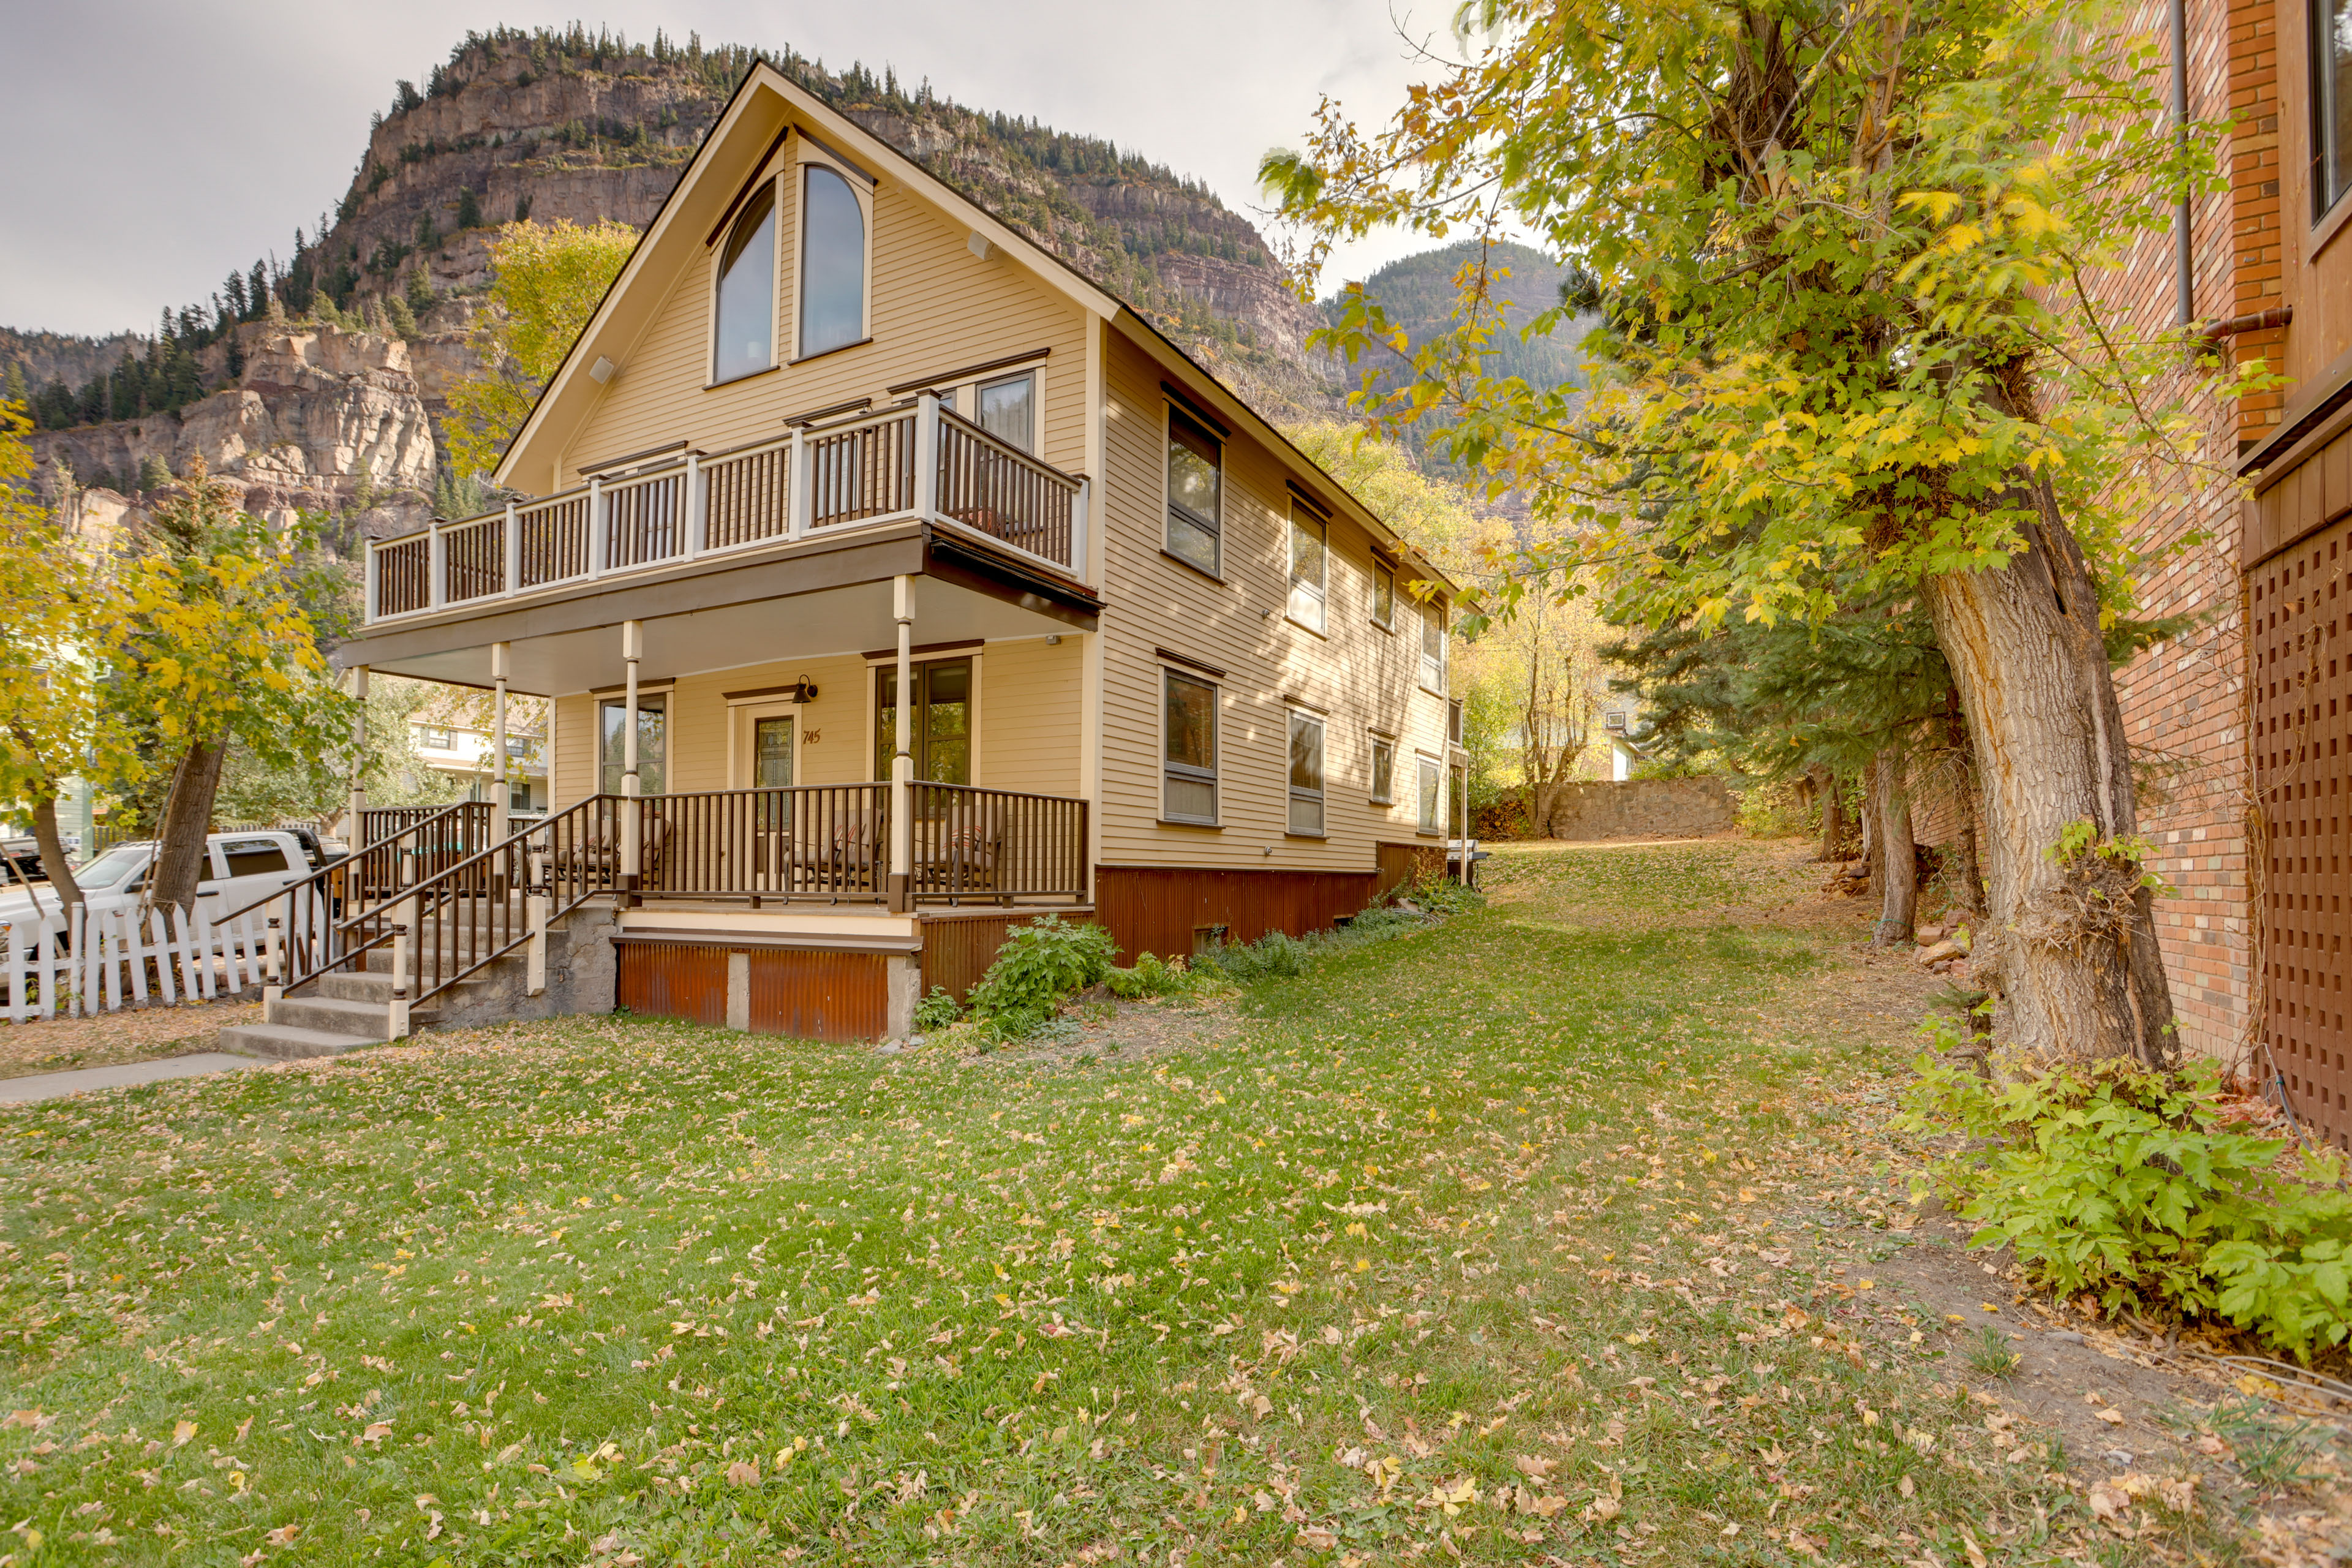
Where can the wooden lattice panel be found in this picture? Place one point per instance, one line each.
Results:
(2299, 608)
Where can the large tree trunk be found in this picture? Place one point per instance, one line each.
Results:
(2075, 964)
(1967, 877)
(1833, 816)
(53, 851)
(180, 859)
(1899, 858)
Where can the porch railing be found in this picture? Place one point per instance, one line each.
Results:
(915, 461)
(828, 842)
(979, 846)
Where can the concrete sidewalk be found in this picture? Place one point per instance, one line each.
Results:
(55, 1085)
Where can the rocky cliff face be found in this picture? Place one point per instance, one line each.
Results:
(322, 419)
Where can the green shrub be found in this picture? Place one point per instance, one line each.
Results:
(938, 1010)
(1039, 964)
(1274, 956)
(1445, 896)
(2126, 1184)
(1151, 976)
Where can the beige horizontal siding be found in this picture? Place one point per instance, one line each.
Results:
(935, 307)
(1362, 676)
(1027, 723)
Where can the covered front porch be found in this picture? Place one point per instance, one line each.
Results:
(861, 725)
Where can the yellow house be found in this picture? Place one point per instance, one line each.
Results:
(890, 579)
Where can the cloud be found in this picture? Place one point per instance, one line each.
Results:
(158, 145)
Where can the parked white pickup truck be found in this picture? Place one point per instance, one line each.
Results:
(243, 867)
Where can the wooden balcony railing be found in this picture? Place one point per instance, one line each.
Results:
(918, 461)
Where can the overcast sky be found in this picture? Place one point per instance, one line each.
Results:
(153, 144)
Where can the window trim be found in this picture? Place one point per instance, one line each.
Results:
(1305, 516)
(711, 378)
(877, 668)
(1433, 613)
(1424, 761)
(1034, 375)
(1377, 796)
(1214, 527)
(1382, 573)
(647, 701)
(1213, 775)
(1295, 716)
(808, 154)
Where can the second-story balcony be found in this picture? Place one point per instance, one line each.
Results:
(916, 462)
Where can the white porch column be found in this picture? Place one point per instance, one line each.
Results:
(697, 507)
(499, 741)
(902, 761)
(511, 567)
(596, 526)
(632, 642)
(800, 501)
(927, 454)
(357, 813)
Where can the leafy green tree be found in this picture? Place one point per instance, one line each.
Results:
(53, 726)
(549, 281)
(208, 635)
(1850, 351)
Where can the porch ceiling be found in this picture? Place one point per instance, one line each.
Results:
(804, 626)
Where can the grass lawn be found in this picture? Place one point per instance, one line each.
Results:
(1506, 1240)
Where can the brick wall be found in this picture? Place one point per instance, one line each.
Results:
(2184, 698)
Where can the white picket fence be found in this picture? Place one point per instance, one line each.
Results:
(73, 963)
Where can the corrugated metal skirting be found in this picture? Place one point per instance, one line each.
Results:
(837, 997)
(672, 979)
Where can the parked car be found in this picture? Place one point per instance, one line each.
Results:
(318, 850)
(20, 862)
(243, 868)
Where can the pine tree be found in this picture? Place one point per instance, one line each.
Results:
(397, 315)
(153, 473)
(470, 209)
(16, 392)
(421, 294)
(257, 292)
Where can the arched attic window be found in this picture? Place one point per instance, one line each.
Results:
(747, 292)
(833, 263)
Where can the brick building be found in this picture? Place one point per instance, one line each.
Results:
(2241, 723)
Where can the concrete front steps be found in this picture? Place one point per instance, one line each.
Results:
(346, 1009)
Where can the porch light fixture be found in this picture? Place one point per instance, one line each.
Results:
(602, 371)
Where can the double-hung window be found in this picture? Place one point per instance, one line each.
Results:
(1383, 597)
(1432, 795)
(744, 338)
(1310, 567)
(1433, 647)
(1305, 774)
(1195, 501)
(1383, 770)
(1189, 788)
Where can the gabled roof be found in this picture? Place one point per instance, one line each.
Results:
(765, 106)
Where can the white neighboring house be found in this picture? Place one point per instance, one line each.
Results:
(1622, 726)
(464, 754)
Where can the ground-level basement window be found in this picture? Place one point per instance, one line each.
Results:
(1188, 793)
